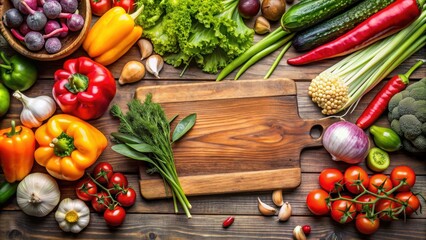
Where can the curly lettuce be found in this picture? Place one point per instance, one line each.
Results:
(210, 33)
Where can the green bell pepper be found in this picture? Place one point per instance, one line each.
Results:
(17, 72)
(4, 100)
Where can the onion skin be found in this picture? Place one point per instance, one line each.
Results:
(346, 142)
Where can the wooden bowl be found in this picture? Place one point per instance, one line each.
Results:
(69, 44)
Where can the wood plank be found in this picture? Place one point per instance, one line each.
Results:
(159, 226)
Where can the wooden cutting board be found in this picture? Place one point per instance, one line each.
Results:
(248, 136)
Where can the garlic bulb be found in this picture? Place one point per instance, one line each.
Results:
(35, 110)
(154, 64)
(38, 194)
(72, 215)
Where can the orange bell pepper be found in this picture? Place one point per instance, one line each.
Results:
(17, 146)
(67, 146)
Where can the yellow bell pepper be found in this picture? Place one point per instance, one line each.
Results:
(67, 146)
(112, 35)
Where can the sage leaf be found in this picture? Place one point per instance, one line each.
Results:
(125, 150)
(184, 126)
(141, 147)
(125, 138)
(173, 118)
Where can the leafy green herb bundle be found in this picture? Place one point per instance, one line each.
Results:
(144, 134)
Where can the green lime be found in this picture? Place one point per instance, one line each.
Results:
(378, 160)
(4, 100)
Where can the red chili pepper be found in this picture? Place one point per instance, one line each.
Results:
(387, 21)
(380, 102)
(84, 88)
(228, 222)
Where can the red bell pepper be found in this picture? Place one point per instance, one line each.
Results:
(83, 88)
(387, 21)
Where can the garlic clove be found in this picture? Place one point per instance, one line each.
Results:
(262, 25)
(285, 212)
(145, 48)
(277, 197)
(298, 233)
(133, 71)
(35, 110)
(265, 209)
(154, 64)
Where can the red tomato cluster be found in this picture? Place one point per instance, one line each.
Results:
(99, 7)
(108, 192)
(353, 195)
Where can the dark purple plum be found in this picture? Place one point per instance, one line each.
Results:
(12, 18)
(75, 22)
(23, 6)
(52, 9)
(51, 26)
(69, 6)
(24, 29)
(248, 8)
(34, 41)
(53, 45)
(36, 21)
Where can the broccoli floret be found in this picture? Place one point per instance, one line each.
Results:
(409, 146)
(394, 101)
(424, 128)
(420, 142)
(395, 126)
(419, 84)
(406, 106)
(410, 126)
(418, 93)
(395, 114)
(420, 113)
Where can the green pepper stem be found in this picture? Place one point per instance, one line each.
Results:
(414, 67)
(137, 13)
(4, 58)
(77, 83)
(13, 131)
(6, 66)
(63, 145)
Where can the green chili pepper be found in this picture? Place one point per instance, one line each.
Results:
(385, 138)
(17, 72)
(4, 100)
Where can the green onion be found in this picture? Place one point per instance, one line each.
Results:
(361, 71)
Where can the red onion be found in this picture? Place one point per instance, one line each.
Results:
(346, 142)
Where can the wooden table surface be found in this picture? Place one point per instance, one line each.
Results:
(155, 219)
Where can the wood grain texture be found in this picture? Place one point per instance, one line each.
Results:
(243, 128)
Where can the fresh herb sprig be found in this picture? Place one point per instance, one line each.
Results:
(144, 134)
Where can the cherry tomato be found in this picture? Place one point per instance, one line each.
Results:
(117, 182)
(387, 209)
(317, 202)
(115, 217)
(354, 176)
(86, 189)
(99, 7)
(101, 202)
(128, 5)
(343, 211)
(102, 172)
(403, 172)
(366, 225)
(365, 198)
(379, 183)
(331, 180)
(411, 202)
(127, 197)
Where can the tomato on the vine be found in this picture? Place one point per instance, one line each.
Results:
(86, 189)
(411, 202)
(127, 197)
(331, 180)
(365, 198)
(128, 5)
(317, 202)
(115, 216)
(102, 172)
(366, 225)
(380, 183)
(99, 7)
(353, 177)
(101, 202)
(387, 209)
(403, 172)
(343, 211)
(117, 182)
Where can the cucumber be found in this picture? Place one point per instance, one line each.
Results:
(7, 190)
(333, 28)
(308, 13)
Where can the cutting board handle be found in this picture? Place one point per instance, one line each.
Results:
(316, 128)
